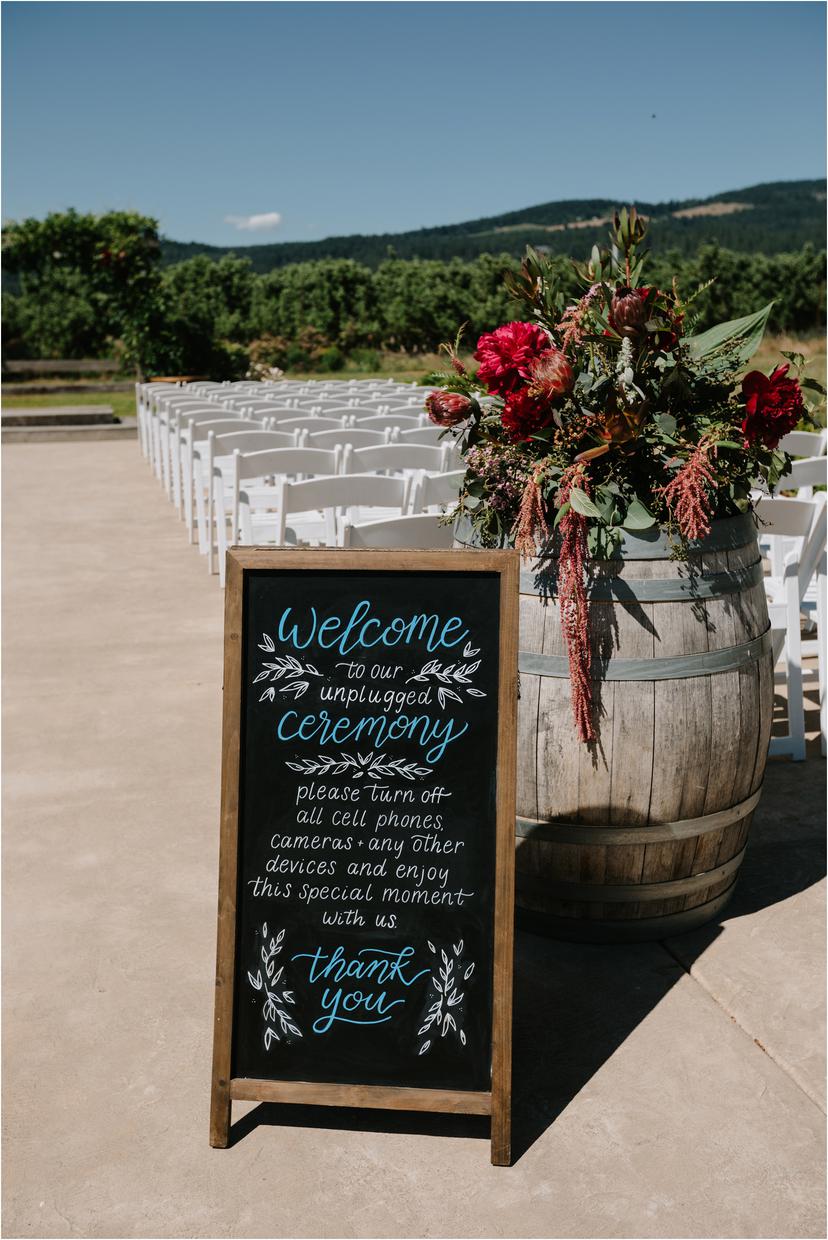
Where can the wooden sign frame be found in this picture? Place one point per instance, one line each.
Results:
(495, 1102)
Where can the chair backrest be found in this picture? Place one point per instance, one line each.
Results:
(778, 515)
(807, 471)
(420, 531)
(400, 456)
(381, 420)
(268, 406)
(347, 491)
(253, 441)
(326, 405)
(410, 407)
(433, 490)
(303, 423)
(804, 443)
(288, 461)
(353, 435)
(212, 420)
(424, 434)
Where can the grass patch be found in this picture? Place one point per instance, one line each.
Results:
(122, 403)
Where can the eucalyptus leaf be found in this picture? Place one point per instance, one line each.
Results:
(581, 502)
(638, 516)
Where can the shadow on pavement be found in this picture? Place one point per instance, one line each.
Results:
(575, 1004)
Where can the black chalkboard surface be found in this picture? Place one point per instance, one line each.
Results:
(372, 698)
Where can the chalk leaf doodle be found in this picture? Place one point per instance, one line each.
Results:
(451, 676)
(279, 1023)
(375, 766)
(287, 667)
(445, 998)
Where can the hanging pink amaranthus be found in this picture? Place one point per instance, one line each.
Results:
(688, 496)
(572, 327)
(572, 597)
(531, 526)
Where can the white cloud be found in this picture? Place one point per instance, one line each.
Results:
(255, 223)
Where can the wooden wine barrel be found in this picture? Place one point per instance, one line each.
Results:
(642, 835)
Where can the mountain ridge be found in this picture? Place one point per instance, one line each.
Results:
(770, 218)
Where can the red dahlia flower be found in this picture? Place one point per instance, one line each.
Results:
(773, 406)
(551, 376)
(506, 354)
(523, 415)
(447, 408)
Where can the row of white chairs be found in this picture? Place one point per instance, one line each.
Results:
(232, 459)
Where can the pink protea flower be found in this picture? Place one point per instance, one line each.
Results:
(448, 408)
(628, 310)
(773, 406)
(506, 354)
(551, 376)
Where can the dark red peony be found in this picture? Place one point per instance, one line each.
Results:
(448, 408)
(551, 376)
(773, 406)
(506, 354)
(523, 415)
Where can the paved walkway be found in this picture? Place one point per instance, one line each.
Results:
(661, 1090)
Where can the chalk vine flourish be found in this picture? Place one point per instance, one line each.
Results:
(451, 676)
(375, 766)
(445, 1015)
(285, 666)
(279, 1023)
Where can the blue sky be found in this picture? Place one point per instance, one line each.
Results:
(380, 117)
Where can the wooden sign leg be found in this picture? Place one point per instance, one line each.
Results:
(502, 1134)
(220, 1116)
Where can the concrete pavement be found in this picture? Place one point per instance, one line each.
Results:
(660, 1090)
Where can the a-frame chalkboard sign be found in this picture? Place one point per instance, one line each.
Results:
(366, 885)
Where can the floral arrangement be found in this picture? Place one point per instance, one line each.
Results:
(607, 413)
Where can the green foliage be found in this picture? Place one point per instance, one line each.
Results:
(731, 343)
(109, 262)
(84, 285)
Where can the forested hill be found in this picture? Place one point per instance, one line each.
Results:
(769, 219)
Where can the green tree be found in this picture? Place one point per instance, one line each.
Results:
(111, 261)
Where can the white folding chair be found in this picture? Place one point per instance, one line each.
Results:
(257, 482)
(221, 460)
(168, 410)
(436, 493)
(803, 524)
(323, 500)
(193, 434)
(419, 531)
